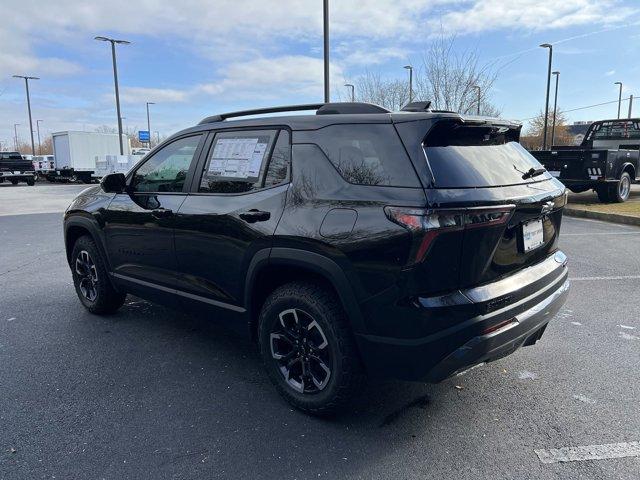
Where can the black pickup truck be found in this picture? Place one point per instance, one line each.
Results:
(607, 161)
(14, 169)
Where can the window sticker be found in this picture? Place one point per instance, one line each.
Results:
(237, 158)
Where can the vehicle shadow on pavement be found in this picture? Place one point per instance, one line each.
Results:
(381, 404)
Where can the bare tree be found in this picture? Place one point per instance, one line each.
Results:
(533, 139)
(449, 77)
(391, 94)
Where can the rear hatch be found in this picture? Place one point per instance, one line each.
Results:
(492, 208)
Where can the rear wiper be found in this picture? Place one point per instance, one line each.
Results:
(532, 172)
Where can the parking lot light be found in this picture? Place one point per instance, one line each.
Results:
(410, 68)
(113, 42)
(38, 130)
(15, 135)
(546, 103)
(555, 108)
(149, 122)
(619, 97)
(26, 84)
(353, 91)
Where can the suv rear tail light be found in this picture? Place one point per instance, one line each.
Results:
(427, 224)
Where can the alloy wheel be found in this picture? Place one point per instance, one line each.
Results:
(87, 276)
(300, 349)
(624, 187)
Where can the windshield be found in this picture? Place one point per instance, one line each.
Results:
(469, 157)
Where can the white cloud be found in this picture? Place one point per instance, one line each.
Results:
(610, 73)
(141, 95)
(537, 15)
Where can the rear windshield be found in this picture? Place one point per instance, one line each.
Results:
(478, 156)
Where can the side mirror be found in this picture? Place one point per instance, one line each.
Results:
(114, 183)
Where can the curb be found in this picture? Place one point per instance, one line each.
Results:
(605, 217)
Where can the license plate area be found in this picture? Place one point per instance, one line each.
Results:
(532, 235)
(554, 173)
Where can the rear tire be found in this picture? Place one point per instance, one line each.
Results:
(31, 181)
(91, 279)
(13, 182)
(620, 192)
(319, 370)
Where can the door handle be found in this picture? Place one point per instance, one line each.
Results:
(161, 212)
(253, 215)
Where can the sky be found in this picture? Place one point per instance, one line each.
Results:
(196, 58)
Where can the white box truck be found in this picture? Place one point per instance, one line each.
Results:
(75, 153)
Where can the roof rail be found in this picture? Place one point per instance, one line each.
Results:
(321, 109)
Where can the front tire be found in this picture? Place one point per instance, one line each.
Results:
(308, 348)
(91, 279)
(31, 181)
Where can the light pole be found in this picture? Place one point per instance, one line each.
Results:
(26, 85)
(479, 90)
(546, 103)
(410, 68)
(148, 122)
(39, 144)
(353, 91)
(630, 104)
(15, 135)
(619, 97)
(113, 42)
(555, 108)
(325, 17)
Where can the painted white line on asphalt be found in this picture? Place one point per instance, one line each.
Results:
(615, 277)
(589, 452)
(601, 222)
(584, 398)
(11, 319)
(626, 327)
(628, 336)
(597, 233)
(577, 324)
(526, 375)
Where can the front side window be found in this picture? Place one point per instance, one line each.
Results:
(167, 169)
(243, 161)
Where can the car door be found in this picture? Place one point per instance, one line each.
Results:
(236, 201)
(138, 223)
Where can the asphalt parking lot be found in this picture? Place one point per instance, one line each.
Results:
(154, 393)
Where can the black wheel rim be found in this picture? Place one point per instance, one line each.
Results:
(87, 276)
(300, 350)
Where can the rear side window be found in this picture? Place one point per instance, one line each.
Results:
(368, 154)
(478, 156)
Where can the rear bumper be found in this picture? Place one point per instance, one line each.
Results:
(517, 321)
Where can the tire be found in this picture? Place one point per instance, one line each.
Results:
(327, 340)
(13, 182)
(91, 280)
(31, 181)
(620, 192)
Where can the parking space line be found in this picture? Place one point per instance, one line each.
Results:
(598, 233)
(615, 277)
(589, 452)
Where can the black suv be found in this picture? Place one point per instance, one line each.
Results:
(354, 241)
